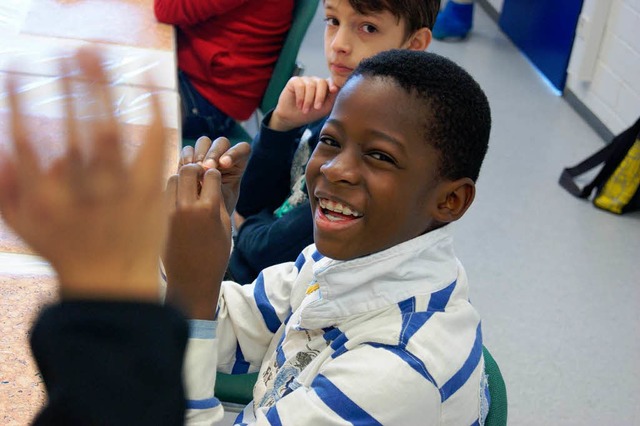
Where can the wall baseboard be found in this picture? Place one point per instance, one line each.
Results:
(491, 11)
(578, 106)
(583, 111)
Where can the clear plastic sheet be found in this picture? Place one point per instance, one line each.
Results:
(126, 65)
(34, 34)
(139, 56)
(13, 14)
(42, 96)
(122, 22)
(43, 102)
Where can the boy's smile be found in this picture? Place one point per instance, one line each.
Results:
(351, 36)
(373, 179)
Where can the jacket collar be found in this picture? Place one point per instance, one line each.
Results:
(416, 267)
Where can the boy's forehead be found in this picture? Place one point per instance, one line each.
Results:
(362, 7)
(382, 104)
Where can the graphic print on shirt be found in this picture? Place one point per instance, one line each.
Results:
(278, 379)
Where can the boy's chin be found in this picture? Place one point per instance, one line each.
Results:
(338, 251)
(338, 80)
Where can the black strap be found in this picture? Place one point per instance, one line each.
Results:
(567, 178)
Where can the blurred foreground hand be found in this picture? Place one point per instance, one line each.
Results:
(96, 217)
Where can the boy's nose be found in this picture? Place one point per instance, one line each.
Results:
(341, 41)
(342, 168)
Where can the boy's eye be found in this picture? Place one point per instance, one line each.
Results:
(326, 140)
(368, 28)
(381, 156)
(332, 22)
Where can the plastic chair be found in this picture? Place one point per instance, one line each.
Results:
(285, 68)
(497, 415)
(235, 391)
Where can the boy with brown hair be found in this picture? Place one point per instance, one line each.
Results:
(272, 216)
(226, 52)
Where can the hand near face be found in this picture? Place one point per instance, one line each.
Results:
(97, 218)
(303, 101)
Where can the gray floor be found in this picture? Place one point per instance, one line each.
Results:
(556, 280)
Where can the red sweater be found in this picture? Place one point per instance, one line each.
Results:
(228, 48)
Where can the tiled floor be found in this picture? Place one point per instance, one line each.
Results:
(556, 280)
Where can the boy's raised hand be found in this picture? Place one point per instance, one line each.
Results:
(230, 161)
(97, 218)
(201, 198)
(303, 101)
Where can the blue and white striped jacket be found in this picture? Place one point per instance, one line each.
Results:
(389, 338)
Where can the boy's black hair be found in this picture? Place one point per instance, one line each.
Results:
(457, 117)
(416, 13)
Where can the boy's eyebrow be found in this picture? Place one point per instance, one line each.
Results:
(375, 133)
(389, 138)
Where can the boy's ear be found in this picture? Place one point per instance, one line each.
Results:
(420, 40)
(454, 199)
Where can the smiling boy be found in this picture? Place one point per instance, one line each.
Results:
(272, 214)
(371, 324)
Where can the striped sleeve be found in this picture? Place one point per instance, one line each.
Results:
(199, 373)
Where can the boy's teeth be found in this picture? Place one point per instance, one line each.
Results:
(333, 218)
(338, 208)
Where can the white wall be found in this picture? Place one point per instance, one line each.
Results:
(604, 70)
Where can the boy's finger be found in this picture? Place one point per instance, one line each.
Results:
(236, 157)
(186, 156)
(188, 181)
(29, 170)
(330, 99)
(321, 95)
(309, 95)
(202, 147)
(171, 194)
(217, 149)
(211, 189)
(298, 86)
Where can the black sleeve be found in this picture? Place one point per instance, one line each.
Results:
(265, 240)
(111, 363)
(267, 179)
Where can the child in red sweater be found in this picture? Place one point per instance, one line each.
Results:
(226, 53)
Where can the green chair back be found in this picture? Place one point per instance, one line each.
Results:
(285, 68)
(497, 415)
(235, 388)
